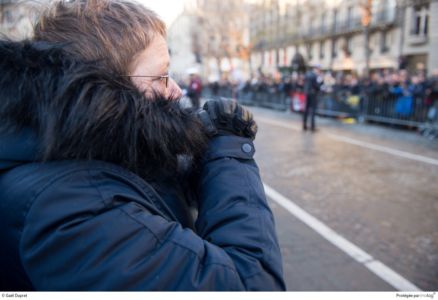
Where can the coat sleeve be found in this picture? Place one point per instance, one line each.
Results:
(77, 237)
(234, 214)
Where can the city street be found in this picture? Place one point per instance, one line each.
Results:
(356, 206)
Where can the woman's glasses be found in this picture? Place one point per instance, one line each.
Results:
(164, 78)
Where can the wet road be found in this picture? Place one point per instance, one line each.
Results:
(376, 187)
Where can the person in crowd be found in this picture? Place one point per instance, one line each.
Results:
(312, 86)
(91, 134)
(329, 83)
(328, 92)
(402, 94)
(373, 93)
(431, 105)
(432, 89)
(194, 90)
(354, 85)
(214, 86)
(418, 91)
(287, 89)
(403, 77)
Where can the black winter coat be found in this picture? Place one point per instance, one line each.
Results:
(91, 225)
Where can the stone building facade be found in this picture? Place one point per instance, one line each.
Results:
(182, 54)
(331, 33)
(419, 45)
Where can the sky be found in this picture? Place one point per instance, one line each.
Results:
(168, 10)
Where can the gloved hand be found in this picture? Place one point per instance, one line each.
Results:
(226, 117)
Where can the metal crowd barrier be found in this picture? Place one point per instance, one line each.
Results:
(339, 104)
(430, 128)
(389, 109)
(271, 99)
(226, 92)
(395, 110)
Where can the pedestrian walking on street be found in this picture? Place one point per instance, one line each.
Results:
(312, 85)
(92, 196)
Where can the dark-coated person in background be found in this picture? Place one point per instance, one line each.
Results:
(195, 90)
(91, 133)
(312, 86)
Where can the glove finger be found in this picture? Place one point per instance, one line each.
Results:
(245, 114)
(230, 113)
(238, 122)
(206, 121)
(251, 130)
(211, 107)
(227, 106)
(254, 127)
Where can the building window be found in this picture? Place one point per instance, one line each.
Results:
(334, 50)
(384, 42)
(347, 46)
(420, 21)
(426, 24)
(323, 22)
(321, 50)
(349, 17)
(335, 20)
(309, 51)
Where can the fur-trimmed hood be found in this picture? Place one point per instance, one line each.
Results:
(75, 111)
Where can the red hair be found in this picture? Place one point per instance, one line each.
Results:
(110, 32)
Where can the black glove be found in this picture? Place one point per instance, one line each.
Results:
(227, 117)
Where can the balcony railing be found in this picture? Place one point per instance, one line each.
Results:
(341, 27)
(383, 17)
(415, 39)
(345, 26)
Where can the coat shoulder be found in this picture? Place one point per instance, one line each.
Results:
(94, 184)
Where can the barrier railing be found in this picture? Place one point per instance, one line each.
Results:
(339, 104)
(270, 98)
(385, 108)
(392, 109)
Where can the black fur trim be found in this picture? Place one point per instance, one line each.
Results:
(81, 112)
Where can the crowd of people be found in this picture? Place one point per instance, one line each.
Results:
(395, 94)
